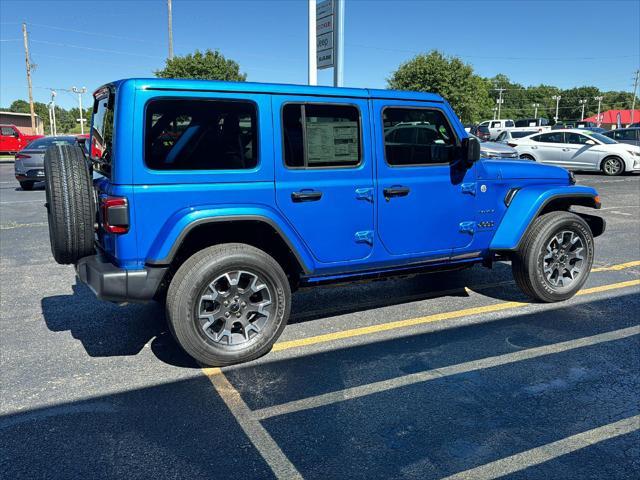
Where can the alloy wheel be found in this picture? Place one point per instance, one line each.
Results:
(612, 166)
(564, 258)
(235, 307)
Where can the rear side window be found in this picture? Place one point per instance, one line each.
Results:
(555, 137)
(417, 137)
(6, 131)
(522, 134)
(509, 123)
(321, 135)
(200, 135)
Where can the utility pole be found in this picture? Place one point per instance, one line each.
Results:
(499, 101)
(635, 89)
(535, 114)
(80, 91)
(338, 48)
(52, 113)
(313, 69)
(599, 99)
(170, 30)
(27, 60)
(495, 111)
(557, 99)
(582, 102)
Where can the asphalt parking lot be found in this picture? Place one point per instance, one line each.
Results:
(439, 376)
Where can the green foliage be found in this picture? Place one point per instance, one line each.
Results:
(473, 98)
(467, 92)
(66, 120)
(210, 65)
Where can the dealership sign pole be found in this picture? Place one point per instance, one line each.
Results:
(329, 37)
(313, 70)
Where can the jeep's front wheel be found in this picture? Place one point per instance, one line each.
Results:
(228, 304)
(555, 257)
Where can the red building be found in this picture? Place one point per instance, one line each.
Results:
(609, 118)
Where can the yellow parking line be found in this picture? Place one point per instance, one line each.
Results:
(356, 332)
(620, 266)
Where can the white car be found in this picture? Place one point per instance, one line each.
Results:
(497, 126)
(579, 149)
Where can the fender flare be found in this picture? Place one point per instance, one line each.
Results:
(529, 202)
(179, 225)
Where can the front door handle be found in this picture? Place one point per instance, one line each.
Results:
(566, 149)
(306, 196)
(395, 192)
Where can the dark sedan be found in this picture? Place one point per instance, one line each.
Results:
(625, 135)
(29, 162)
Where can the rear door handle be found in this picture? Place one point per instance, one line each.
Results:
(306, 196)
(395, 192)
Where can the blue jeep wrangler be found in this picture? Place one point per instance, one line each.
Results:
(220, 199)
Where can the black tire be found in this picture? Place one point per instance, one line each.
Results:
(528, 264)
(70, 204)
(524, 156)
(612, 166)
(27, 185)
(193, 280)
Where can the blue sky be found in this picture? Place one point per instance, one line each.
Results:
(87, 43)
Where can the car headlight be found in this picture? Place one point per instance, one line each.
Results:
(490, 155)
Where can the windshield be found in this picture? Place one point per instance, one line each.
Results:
(44, 143)
(601, 138)
(102, 130)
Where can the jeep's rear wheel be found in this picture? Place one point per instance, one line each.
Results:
(555, 257)
(70, 203)
(228, 304)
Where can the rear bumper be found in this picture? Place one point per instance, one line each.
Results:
(116, 284)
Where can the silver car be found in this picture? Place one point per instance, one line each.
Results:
(496, 150)
(29, 162)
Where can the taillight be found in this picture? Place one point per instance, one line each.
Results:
(115, 214)
(22, 155)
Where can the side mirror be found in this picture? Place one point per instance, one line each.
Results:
(590, 142)
(470, 150)
(16, 134)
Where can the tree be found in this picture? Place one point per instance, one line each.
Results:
(210, 65)
(467, 92)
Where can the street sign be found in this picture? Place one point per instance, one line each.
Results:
(325, 58)
(324, 34)
(324, 42)
(324, 8)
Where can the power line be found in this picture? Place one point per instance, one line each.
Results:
(105, 50)
(97, 34)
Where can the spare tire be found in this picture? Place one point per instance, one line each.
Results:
(70, 203)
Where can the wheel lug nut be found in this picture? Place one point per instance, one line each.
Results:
(238, 315)
(226, 314)
(226, 303)
(244, 304)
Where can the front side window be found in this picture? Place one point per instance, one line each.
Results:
(417, 137)
(200, 135)
(321, 135)
(576, 139)
(495, 124)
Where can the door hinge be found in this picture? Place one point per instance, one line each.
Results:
(468, 227)
(469, 188)
(365, 193)
(366, 236)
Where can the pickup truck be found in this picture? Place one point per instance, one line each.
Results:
(220, 199)
(12, 140)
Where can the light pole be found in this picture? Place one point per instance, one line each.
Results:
(495, 111)
(80, 91)
(52, 107)
(170, 25)
(582, 102)
(557, 99)
(535, 114)
(599, 99)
